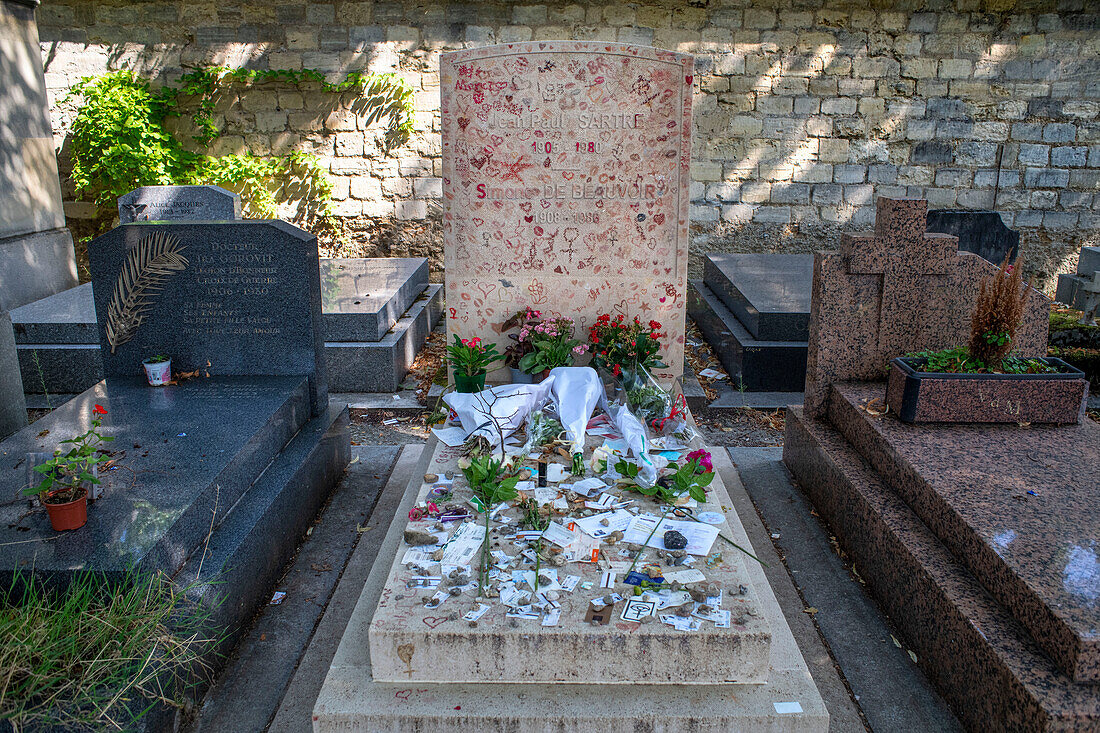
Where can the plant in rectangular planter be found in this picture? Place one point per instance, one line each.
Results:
(980, 382)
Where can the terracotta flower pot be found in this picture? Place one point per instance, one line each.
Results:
(70, 515)
(468, 383)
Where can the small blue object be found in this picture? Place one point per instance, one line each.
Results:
(1032, 492)
(181, 435)
(636, 578)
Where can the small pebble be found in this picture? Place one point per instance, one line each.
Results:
(674, 540)
(473, 624)
(605, 522)
(683, 611)
(416, 538)
(614, 538)
(552, 595)
(430, 478)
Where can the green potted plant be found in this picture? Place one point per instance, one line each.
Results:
(470, 359)
(67, 475)
(525, 321)
(552, 345)
(980, 382)
(158, 370)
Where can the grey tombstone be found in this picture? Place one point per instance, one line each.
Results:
(13, 407)
(981, 232)
(239, 298)
(179, 203)
(1071, 286)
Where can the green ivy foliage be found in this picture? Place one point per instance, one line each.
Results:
(120, 140)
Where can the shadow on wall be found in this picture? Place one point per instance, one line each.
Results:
(785, 160)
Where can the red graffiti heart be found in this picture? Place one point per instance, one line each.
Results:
(463, 121)
(559, 270)
(688, 78)
(659, 218)
(567, 175)
(529, 219)
(526, 206)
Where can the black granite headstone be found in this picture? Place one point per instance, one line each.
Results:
(980, 232)
(179, 203)
(240, 298)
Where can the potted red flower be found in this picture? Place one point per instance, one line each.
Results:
(470, 359)
(67, 476)
(627, 350)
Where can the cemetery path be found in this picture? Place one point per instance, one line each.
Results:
(255, 679)
(891, 691)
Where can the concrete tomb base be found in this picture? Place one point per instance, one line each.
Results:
(403, 667)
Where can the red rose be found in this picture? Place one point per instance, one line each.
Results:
(99, 410)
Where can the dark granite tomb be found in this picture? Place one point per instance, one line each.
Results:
(369, 345)
(214, 479)
(979, 541)
(754, 310)
(982, 232)
(244, 299)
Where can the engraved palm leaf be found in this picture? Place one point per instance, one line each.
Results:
(154, 259)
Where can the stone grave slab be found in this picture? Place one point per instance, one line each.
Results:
(363, 298)
(906, 291)
(566, 169)
(982, 232)
(769, 293)
(453, 651)
(219, 299)
(179, 203)
(754, 365)
(67, 317)
(977, 540)
(201, 445)
(982, 660)
(970, 483)
(58, 342)
(353, 697)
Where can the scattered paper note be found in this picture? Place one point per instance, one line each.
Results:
(450, 437)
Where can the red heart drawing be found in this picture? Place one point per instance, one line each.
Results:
(545, 203)
(659, 218)
(688, 78)
(559, 270)
(538, 231)
(478, 221)
(661, 299)
(526, 206)
(463, 121)
(567, 175)
(403, 695)
(529, 219)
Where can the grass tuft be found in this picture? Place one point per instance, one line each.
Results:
(100, 654)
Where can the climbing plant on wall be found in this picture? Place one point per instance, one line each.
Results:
(121, 140)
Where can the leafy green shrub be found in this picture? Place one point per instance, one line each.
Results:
(119, 141)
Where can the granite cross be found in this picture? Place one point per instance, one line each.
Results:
(905, 256)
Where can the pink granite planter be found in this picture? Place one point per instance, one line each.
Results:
(924, 397)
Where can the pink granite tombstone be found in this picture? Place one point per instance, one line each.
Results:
(566, 168)
(893, 292)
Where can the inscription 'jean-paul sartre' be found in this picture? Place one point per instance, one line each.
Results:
(581, 120)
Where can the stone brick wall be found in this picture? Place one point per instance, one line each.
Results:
(805, 109)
